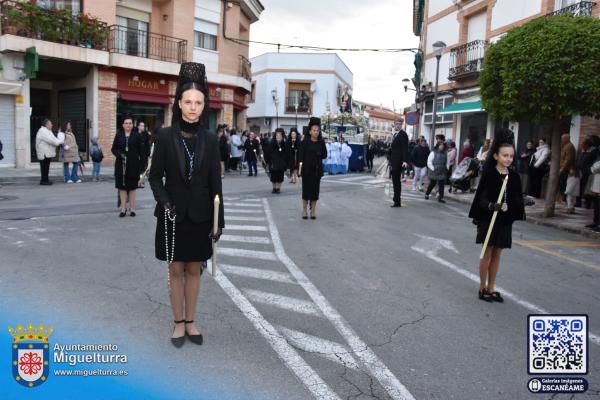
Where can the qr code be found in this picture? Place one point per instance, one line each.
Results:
(557, 344)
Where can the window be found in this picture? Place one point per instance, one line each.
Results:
(131, 37)
(205, 40)
(205, 34)
(441, 104)
(298, 94)
(72, 5)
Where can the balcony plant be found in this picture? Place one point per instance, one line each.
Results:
(12, 18)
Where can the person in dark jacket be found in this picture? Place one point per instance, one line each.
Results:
(585, 159)
(187, 157)
(510, 209)
(371, 151)
(223, 150)
(418, 159)
(437, 168)
(278, 161)
(312, 153)
(129, 151)
(252, 148)
(293, 146)
(145, 135)
(399, 158)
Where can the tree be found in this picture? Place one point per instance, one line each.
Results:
(545, 70)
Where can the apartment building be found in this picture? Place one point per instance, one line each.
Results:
(288, 88)
(92, 62)
(380, 119)
(467, 27)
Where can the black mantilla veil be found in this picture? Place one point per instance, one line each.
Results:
(191, 76)
(311, 122)
(503, 137)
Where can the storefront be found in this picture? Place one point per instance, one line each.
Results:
(7, 129)
(144, 96)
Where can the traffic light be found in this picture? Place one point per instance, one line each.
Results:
(32, 62)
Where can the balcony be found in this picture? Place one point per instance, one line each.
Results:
(466, 61)
(134, 42)
(581, 9)
(245, 68)
(304, 105)
(29, 20)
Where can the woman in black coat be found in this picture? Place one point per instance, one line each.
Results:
(129, 151)
(278, 161)
(188, 158)
(293, 146)
(311, 155)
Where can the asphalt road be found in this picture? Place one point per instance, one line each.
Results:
(366, 302)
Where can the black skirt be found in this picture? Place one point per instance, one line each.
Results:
(310, 187)
(277, 176)
(192, 243)
(501, 236)
(127, 183)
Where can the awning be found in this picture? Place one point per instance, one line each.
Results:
(215, 105)
(145, 98)
(458, 108)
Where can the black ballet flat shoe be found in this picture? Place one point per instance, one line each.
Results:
(178, 341)
(496, 297)
(196, 339)
(396, 205)
(304, 216)
(274, 191)
(132, 214)
(122, 214)
(485, 295)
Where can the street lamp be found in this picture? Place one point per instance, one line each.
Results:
(406, 81)
(438, 48)
(276, 102)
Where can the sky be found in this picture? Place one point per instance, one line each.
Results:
(349, 24)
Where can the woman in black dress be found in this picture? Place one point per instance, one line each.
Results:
(188, 158)
(311, 155)
(129, 150)
(510, 209)
(278, 161)
(293, 145)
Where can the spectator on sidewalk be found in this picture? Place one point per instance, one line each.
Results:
(419, 161)
(572, 189)
(567, 160)
(145, 135)
(70, 154)
(437, 164)
(97, 156)
(523, 165)
(593, 191)
(45, 148)
(223, 149)
(585, 159)
(538, 168)
(467, 151)
(452, 153)
(236, 150)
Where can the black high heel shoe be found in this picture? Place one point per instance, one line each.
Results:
(178, 341)
(197, 339)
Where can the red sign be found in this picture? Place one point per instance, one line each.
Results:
(132, 81)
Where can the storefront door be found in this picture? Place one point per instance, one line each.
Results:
(151, 114)
(473, 127)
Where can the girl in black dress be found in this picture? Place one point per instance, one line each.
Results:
(311, 155)
(278, 161)
(293, 145)
(129, 151)
(511, 208)
(187, 156)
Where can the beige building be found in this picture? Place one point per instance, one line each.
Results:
(125, 59)
(467, 27)
(381, 119)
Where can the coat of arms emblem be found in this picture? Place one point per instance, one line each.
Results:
(30, 354)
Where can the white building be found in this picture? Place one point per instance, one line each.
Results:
(315, 82)
(467, 28)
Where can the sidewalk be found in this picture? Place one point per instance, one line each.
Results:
(11, 176)
(574, 223)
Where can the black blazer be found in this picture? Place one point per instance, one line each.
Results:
(311, 156)
(135, 154)
(399, 151)
(194, 199)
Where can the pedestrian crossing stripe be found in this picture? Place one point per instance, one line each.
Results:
(283, 302)
(261, 255)
(264, 274)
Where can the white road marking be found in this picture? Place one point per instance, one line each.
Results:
(322, 347)
(256, 228)
(246, 239)
(374, 181)
(290, 357)
(370, 360)
(261, 255)
(354, 178)
(276, 276)
(242, 218)
(227, 204)
(283, 302)
(239, 211)
(427, 246)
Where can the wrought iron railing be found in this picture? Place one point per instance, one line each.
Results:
(304, 105)
(581, 9)
(245, 68)
(61, 26)
(467, 60)
(135, 42)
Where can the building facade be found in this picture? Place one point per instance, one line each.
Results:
(122, 59)
(289, 88)
(380, 119)
(467, 27)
